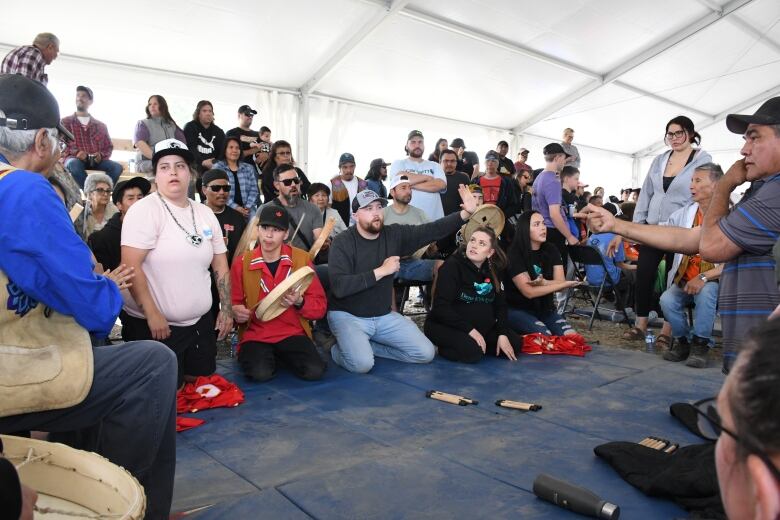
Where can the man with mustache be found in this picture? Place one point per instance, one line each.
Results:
(288, 185)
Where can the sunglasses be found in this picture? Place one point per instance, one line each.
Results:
(290, 182)
(216, 188)
(711, 427)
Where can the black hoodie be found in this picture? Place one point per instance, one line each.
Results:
(106, 244)
(466, 297)
(204, 143)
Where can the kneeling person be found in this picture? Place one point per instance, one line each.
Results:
(286, 338)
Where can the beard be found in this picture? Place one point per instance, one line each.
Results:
(416, 152)
(405, 200)
(292, 199)
(375, 226)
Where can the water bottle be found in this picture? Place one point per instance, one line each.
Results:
(233, 344)
(131, 165)
(650, 342)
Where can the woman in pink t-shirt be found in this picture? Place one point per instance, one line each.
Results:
(171, 241)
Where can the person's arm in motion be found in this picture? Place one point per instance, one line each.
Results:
(714, 245)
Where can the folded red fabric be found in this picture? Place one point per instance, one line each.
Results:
(570, 344)
(212, 391)
(185, 423)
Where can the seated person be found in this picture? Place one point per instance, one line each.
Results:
(91, 147)
(620, 272)
(57, 299)
(691, 279)
(286, 338)
(244, 195)
(534, 274)
(319, 195)
(468, 318)
(98, 210)
(106, 244)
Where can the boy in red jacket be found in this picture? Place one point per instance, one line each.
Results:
(286, 338)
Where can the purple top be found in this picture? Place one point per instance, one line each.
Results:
(547, 190)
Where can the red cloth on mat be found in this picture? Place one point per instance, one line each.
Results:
(206, 392)
(185, 423)
(570, 345)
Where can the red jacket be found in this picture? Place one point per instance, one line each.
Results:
(288, 323)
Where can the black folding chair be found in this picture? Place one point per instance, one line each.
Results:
(589, 255)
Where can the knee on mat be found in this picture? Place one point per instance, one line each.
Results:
(313, 372)
(260, 374)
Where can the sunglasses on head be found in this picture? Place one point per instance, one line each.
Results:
(216, 188)
(290, 182)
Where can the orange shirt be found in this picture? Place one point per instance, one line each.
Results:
(694, 264)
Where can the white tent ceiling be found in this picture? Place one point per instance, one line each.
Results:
(615, 70)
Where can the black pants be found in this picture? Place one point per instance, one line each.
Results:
(646, 274)
(556, 238)
(298, 353)
(195, 346)
(457, 345)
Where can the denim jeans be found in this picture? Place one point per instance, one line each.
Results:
(673, 302)
(129, 417)
(550, 323)
(391, 336)
(78, 169)
(416, 270)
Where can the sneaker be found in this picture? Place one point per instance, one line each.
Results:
(324, 339)
(699, 353)
(679, 350)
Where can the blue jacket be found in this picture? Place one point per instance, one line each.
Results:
(247, 179)
(45, 259)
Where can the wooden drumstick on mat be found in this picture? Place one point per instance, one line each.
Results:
(517, 405)
(467, 399)
(446, 398)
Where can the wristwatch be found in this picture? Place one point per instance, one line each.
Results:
(703, 278)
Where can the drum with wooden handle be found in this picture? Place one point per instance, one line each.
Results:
(248, 239)
(271, 306)
(73, 483)
(487, 215)
(324, 234)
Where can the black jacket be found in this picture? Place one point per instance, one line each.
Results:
(107, 243)
(204, 143)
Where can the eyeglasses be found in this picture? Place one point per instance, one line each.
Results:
(284, 153)
(675, 135)
(216, 188)
(290, 182)
(62, 145)
(711, 426)
(102, 191)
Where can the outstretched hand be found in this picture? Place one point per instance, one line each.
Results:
(469, 204)
(599, 219)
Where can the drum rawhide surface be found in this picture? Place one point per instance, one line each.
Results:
(324, 234)
(271, 306)
(74, 484)
(487, 215)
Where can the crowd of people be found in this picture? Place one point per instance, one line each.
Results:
(185, 253)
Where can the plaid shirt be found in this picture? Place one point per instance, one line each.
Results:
(92, 138)
(27, 61)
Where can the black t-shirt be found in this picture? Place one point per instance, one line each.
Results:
(233, 224)
(505, 163)
(273, 266)
(543, 261)
(466, 164)
(569, 199)
(450, 200)
(240, 132)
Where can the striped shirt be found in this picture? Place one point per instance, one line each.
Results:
(748, 289)
(27, 61)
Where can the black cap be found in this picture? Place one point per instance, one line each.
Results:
(170, 147)
(414, 133)
(378, 163)
(88, 90)
(136, 182)
(28, 105)
(492, 155)
(274, 215)
(247, 110)
(611, 208)
(554, 149)
(346, 158)
(767, 114)
(457, 143)
(212, 175)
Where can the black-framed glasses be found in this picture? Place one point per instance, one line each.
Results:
(711, 427)
(216, 188)
(290, 182)
(675, 135)
(102, 191)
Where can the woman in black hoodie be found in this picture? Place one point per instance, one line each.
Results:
(468, 319)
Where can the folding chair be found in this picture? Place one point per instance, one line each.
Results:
(589, 255)
(402, 287)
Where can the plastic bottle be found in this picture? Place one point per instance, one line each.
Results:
(233, 344)
(131, 165)
(650, 342)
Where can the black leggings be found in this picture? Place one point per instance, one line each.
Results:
(298, 353)
(457, 345)
(646, 274)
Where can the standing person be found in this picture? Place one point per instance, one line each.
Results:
(286, 338)
(304, 216)
(524, 183)
(441, 145)
(281, 153)
(204, 138)
(99, 209)
(570, 178)
(497, 189)
(468, 162)
(31, 60)
(171, 241)
(345, 186)
(106, 244)
(520, 163)
(573, 154)
(505, 164)
(216, 191)
(362, 263)
(158, 126)
(244, 195)
(665, 190)
(249, 139)
(468, 320)
(91, 147)
(376, 176)
(426, 177)
(548, 202)
(534, 273)
(450, 201)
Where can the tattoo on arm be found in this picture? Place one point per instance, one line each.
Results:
(223, 288)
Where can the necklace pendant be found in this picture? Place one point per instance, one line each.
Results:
(195, 240)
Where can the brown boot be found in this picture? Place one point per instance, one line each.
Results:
(679, 350)
(700, 351)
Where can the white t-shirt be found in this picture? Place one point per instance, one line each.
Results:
(84, 120)
(177, 272)
(430, 203)
(352, 187)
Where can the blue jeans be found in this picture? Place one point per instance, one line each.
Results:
(550, 323)
(391, 336)
(416, 270)
(128, 416)
(78, 169)
(673, 302)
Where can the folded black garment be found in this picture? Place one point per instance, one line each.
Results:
(687, 476)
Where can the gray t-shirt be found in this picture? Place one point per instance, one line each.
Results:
(312, 219)
(572, 150)
(748, 289)
(413, 216)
